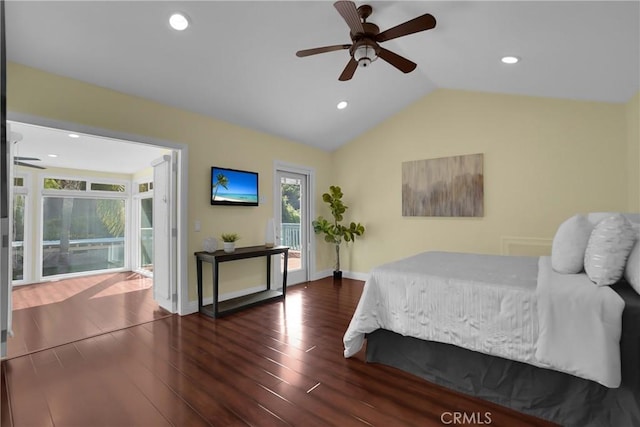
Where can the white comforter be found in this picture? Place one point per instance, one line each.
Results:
(489, 303)
(580, 325)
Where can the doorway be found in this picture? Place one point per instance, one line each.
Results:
(139, 256)
(293, 224)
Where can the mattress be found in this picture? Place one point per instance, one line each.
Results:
(485, 303)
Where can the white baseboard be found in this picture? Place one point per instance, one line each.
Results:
(193, 305)
(355, 275)
(321, 274)
(347, 274)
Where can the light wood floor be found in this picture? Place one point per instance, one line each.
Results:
(277, 364)
(49, 314)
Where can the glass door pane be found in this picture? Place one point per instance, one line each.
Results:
(293, 224)
(82, 235)
(17, 242)
(146, 234)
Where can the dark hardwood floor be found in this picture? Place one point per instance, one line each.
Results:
(271, 365)
(49, 314)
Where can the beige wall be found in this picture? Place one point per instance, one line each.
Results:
(544, 160)
(633, 147)
(209, 141)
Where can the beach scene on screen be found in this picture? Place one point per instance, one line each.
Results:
(234, 186)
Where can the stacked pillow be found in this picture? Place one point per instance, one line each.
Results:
(570, 244)
(632, 271)
(609, 247)
(605, 246)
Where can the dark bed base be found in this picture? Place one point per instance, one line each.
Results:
(544, 393)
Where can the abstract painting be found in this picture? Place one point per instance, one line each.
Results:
(448, 186)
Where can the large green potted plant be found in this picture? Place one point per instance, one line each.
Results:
(334, 232)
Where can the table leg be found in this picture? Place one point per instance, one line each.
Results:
(215, 288)
(268, 272)
(199, 270)
(284, 274)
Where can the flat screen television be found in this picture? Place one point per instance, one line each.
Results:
(232, 187)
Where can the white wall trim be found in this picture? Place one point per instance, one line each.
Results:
(355, 275)
(321, 274)
(346, 274)
(193, 305)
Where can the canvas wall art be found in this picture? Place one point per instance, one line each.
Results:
(448, 186)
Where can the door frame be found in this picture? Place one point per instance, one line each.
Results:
(182, 200)
(311, 189)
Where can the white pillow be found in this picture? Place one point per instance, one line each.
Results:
(608, 249)
(570, 244)
(632, 272)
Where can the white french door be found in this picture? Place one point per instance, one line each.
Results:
(164, 232)
(6, 222)
(292, 222)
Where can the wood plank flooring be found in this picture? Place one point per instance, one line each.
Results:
(279, 364)
(49, 314)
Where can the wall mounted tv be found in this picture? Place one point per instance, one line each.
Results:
(231, 187)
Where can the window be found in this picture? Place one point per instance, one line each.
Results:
(98, 186)
(82, 234)
(83, 225)
(17, 245)
(146, 234)
(18, 250)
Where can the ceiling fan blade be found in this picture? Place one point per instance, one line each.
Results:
(317, 50)
(27, 165)
(33, 159)
(401, 63)
(421, 23)
(349, 70)
(348, 11)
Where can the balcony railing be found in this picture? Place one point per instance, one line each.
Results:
(290, 236)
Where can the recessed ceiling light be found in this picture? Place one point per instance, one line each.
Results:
(510, 59)
(342, 105)
(74, 135)
(52, 155)
(178, 21)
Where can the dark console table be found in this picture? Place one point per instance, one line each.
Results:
(221, 308)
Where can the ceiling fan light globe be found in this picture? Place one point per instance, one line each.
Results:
(365, 54)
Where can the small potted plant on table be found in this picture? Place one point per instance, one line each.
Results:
(229, 240)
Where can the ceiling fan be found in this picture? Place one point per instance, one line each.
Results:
(20, 161)
(366, 37)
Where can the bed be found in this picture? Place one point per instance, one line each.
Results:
(507, 329)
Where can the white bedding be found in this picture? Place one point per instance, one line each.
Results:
(579, 326)
(485, 303)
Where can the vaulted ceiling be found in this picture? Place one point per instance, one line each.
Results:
(237, 61)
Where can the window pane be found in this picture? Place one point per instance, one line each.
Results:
(143, 188)
(18, 182)
(64, 184)
(290, 221)
(146, 234)
(97, 186)
(17, 245)
(82, 234)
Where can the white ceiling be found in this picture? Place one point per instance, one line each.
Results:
(237, 60)
(86, 152)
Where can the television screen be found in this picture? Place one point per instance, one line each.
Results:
(233, 187)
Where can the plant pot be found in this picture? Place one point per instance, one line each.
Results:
(229, 246)
(337, 275)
